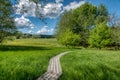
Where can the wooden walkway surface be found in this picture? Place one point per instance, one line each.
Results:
(54, 69)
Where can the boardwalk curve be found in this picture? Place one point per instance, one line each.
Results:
(54, 70)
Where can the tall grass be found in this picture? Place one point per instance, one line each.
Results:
(26, 60)
(91, 65)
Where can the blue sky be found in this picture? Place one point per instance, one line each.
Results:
(28, 23)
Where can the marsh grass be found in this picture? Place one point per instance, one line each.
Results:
(91, 65)
(26, 59)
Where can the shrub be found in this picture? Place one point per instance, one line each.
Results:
(100, 36)
(69, 38)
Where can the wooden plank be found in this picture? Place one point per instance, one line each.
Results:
(54, 70)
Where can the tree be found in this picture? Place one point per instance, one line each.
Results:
(100, 36)
(102, 10)
(79, 21)
(114, 23)
(116, 37)
(85, 19)
(114, 20)
(102, 14)
(7, 26)
(66, 21)
(69, 38)
(18, 34)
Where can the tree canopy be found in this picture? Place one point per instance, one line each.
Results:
(91, 23)
(6, 21)
(100, 36)
(81, 20)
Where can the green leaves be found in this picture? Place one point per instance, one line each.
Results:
(6, 21)
(78, 21)
(69, 38)
(100, 36)
(90, 23)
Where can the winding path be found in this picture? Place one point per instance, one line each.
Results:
(54, 69)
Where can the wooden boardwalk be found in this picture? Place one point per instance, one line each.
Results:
(54, 69)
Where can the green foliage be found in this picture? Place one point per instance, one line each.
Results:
(67, 21)
(69, 38)
(100, 36)
(6, 21)
(102, 14)
(11, 38)
(79, 21)
(18, 34)
(91, 65)
(102, 10)
(116, 37)
(100, 19)
(116, 34)
(85, 15)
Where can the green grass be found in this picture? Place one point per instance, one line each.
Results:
(26, 59)
(91, 65)
(35, 42)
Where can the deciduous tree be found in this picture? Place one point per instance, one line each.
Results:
(100, 36)
(6, 21)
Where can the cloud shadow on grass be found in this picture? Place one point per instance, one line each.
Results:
(21, 48)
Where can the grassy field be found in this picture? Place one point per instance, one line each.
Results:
(35, 42)
(91, 65)
(26, 59)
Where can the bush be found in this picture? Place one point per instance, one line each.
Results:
(100, 36)
(69, 38)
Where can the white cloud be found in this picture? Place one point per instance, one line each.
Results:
(52, 10)
(25, 7)
(58, 1)
(23, 22)
(29, 8)
(44, 30)
(30, 31)
(73, 5)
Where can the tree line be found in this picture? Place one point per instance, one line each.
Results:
(89, 26)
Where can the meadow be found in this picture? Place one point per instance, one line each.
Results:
(91, 65)
(26, 59)
(49, 42)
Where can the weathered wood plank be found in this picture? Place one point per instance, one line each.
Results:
(54, 70)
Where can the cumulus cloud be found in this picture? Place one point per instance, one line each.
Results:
(44, 30)
(25, 7)
(73, 5)
(29, 8)
(52, 10)
(23, 22)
